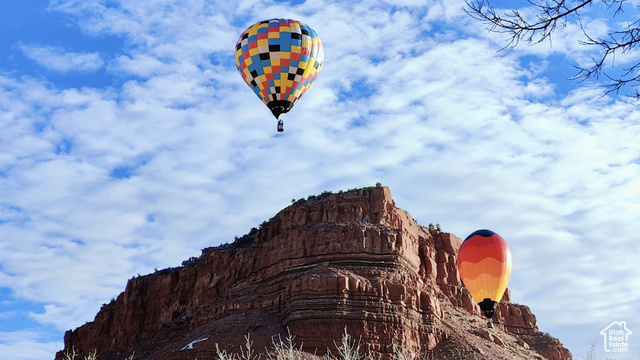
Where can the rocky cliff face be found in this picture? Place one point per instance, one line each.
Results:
(349, 260)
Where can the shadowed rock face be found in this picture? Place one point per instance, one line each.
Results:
(341, 260)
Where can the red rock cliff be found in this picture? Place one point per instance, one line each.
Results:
(341, 260)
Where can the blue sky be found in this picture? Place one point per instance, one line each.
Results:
(129, 142)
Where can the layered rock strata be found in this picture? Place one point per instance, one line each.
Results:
(350, 260)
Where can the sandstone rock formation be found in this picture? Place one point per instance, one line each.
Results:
(332, 261)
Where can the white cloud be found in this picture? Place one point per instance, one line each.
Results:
(27, 345)
(56, 58)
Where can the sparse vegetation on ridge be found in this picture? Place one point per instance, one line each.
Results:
(248, 239)
(325, 194)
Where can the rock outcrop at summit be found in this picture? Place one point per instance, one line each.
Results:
(350, 259)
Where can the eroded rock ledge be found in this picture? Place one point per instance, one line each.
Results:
(349, 259)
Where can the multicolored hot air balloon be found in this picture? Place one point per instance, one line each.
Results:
(279, 59)
(484, 264)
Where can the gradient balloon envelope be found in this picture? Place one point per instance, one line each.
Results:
(279, 59)
(485, 264)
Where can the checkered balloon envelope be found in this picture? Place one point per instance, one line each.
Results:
(279, 59)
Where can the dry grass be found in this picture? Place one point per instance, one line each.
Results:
(71, 354)
(286, 349)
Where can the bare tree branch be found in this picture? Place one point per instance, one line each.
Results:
(550, 13)
(553, 13)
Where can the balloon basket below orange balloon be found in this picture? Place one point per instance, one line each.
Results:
(490, 325)
(280, 126)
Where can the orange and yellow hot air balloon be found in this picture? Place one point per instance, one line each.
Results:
(484, 264)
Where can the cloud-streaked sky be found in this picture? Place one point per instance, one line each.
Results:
(129, 142)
